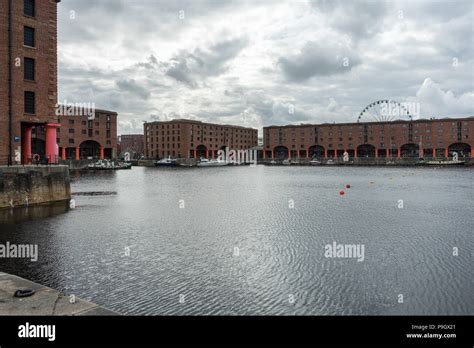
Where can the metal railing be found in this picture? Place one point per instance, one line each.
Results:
(37, 160)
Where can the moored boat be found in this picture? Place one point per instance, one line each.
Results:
(444, 163)
(204, 162)
(166, 162)
(109, 165)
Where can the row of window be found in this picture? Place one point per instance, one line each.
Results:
(89, 132)
(71, 141)
(200, 128)
(381, 126)
(29, 9)
(89, 123)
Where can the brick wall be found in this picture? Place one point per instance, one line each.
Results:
(45, 55)
(438, 134)
(179, 138)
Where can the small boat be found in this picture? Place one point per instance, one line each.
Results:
(444, 163)
(314, 162)
(286, 162)
(330, 162)
(293, 163)
(109, 165)
(204, 162)
(273, 162)
(166, 162)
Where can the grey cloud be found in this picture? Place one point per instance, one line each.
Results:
(133, 87)
(116, 52)
(358, 19)
(319, 59)
(193, 67)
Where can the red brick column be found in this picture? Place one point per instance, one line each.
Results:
(102, 153)
(399, 153)
(51, 147)
(446, 153)
(78, 155)
(63, 153)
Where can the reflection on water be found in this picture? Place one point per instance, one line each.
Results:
(245, 240)
(34, 212)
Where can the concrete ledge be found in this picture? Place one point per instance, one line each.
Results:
(45, 301)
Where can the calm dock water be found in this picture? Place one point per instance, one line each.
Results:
(251, 240)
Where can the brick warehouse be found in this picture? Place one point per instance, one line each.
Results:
(402, 138)
(194, 139)
(28, 77)
(80, 137)
(134, 144)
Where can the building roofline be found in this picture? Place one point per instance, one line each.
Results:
(96, 110)
(183, 120)
(445, 119)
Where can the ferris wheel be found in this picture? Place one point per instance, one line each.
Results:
(384, 111)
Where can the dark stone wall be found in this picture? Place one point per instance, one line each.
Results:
(30, 185)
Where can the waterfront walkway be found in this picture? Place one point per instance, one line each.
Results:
(45, 301)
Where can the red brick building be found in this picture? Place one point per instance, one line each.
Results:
(28, 77)
(82, 137)
(195, 139)
(134, 144)
(402, 138)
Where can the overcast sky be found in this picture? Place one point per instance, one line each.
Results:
(260, 63)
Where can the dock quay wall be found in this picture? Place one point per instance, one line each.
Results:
(22, 186)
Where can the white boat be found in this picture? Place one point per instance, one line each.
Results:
(286, 162)
(166, 162)
(330, 162)
(314, 162)
(204, 162)
(109, 165)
